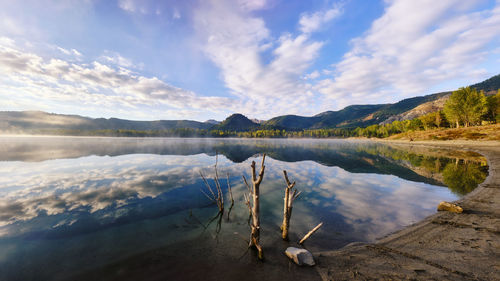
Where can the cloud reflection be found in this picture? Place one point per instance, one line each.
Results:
(53, 194)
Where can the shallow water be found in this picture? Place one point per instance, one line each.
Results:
(71, 208)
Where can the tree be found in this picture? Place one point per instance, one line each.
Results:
(429, 120)
(475, 107)
(493, 107)
(465, 106)
(454, 106)
(441, 119)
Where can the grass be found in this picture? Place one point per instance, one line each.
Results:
(486, 132)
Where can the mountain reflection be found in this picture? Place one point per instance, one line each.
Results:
(355, 157)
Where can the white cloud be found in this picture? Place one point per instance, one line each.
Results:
(311, 22)
(72, 52)
(412, 48)
(117, 59)
(143, 7)
(235, 41)
(127, 5)
(10, 26)
(251, 5)
(313, 75)
(176, 15)
(34, 80)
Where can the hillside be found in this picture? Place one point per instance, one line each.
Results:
(349, 117)
(422, 109)
(486, 133)
(26, 121)
(365, 115)
(489, 85)
(236, 122)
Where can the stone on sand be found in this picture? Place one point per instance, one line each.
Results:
(300, 256)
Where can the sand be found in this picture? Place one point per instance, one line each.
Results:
(444, 246)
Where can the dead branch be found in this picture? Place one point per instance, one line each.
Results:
(254, 206)
(287, 205)
(310, 233)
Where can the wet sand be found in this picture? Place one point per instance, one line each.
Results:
(444, 246)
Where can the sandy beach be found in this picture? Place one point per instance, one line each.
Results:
(444, 246)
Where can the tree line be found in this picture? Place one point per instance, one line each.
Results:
(465, 107)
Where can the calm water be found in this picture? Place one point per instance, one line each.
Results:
(109, 208)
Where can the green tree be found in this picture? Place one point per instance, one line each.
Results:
(493, 107)
(465, 106)
(429, 120)
(475, 107)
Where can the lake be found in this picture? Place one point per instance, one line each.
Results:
(131, 208)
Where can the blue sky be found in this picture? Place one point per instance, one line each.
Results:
(199, 60)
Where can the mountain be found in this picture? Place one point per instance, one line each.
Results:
(212, 121)
(351, 116)
(236, 122)
(258, 121)
(18, 122)
(422, 109)
(370, 114)
(489, 85)
(348, 117)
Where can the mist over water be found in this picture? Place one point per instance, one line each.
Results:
(74, 206)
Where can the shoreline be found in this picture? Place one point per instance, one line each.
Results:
(443, 246)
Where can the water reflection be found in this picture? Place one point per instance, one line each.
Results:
(82, 203)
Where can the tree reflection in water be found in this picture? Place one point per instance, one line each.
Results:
(462, 177)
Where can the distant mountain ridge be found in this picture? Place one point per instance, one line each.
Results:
(348, 117)
(19, 121)
(236, 122)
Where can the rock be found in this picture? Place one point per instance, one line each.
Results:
(450, 207)
(300, 256)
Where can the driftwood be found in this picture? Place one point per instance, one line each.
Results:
(253, 206)
(290, 195)
(310, 233)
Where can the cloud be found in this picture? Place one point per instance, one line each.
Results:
(236, 41)
(143, 7)
(251, 5)
(176, 15)
(313, 75)
(311, 22)
(69, 52)
(117, 59)
(412, 48)
(34, 78)
(128, 5)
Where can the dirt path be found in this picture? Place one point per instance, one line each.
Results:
(444, 246)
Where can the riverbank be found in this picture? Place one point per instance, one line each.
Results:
(444, 246)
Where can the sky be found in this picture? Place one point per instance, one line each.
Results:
(207, 59)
